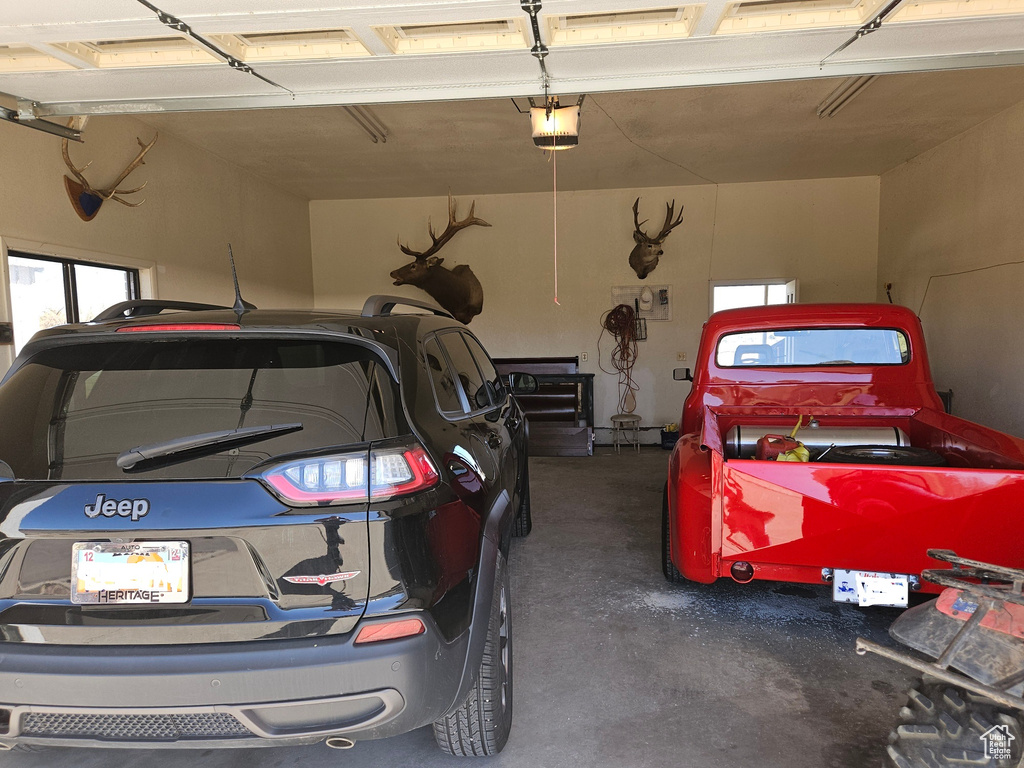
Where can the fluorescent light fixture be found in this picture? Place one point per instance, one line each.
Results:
(458, 37)
(556, 127)
(931, 10)
(752, 16)
(623, 26)
(843, 94)
(368, 120)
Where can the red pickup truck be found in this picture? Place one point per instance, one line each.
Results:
(886, 474)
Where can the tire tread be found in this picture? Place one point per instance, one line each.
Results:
(479, 726)
(942, 726)
(668, 568)
(523, 523)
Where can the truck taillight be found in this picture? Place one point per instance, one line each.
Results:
(345, 478)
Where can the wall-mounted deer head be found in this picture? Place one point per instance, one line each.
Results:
(647, 251)
(457, 290)
(87, 199)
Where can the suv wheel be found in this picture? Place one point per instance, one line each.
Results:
(523, 523)
(481, 724)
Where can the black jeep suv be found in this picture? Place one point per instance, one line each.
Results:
(242, 527)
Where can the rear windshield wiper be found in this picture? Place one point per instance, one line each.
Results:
(189, 443)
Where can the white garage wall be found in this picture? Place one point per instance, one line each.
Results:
(195, 204)
(823, 232)
(955, 209)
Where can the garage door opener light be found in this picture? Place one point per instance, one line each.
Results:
(555, 126)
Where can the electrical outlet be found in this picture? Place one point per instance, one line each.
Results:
(584, 357)
(681, 357)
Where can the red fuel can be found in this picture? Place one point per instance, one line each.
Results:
(770, 447)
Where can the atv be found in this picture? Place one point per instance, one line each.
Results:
(968, 708)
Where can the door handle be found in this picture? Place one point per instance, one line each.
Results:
(493, 440)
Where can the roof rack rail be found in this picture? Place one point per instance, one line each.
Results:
(146, 307)
(380, 304)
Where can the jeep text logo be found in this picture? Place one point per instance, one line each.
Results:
(133, 508)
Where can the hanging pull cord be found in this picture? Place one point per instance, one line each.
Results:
(554, 203)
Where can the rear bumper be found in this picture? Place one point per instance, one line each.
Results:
(251, 694)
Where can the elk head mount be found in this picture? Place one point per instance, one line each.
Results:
(87, 199)
(457, 290)
(647, 251)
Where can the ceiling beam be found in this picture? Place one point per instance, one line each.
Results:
(379, 94)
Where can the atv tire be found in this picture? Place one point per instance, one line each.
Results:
(480, 725)
(672, 574)
(523, 523)
(943, 725)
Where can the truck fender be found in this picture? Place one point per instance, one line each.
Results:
(690, 511)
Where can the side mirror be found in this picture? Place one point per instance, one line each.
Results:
(522, 383)
(682, 374)
(6, 473)
(482, 397)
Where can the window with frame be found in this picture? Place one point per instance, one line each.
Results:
(733, 294)
(808, 347)
(466, 370)
(47, 291)
(446, 391)
(496, 388)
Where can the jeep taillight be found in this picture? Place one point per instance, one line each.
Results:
(353, 477)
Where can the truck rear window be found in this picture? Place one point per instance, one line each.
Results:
(813, 347)
(69, 412)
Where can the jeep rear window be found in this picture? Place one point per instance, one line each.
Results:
(813, 347)
(70, 411)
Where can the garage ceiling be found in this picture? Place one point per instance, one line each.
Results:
(719, 91)
(754, 132)
(116, 56)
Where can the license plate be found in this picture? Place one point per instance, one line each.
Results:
(870, 588)
(148, 572)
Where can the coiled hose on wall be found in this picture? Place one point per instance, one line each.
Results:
(620, 322)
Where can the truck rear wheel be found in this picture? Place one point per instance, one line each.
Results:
(481, 724)
(945, 725)
(672, 574)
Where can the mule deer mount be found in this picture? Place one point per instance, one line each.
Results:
(647, 251)
(87, 199)
(457, 290)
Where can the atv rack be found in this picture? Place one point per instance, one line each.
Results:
(974, 578)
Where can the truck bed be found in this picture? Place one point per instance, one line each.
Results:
(791, 520)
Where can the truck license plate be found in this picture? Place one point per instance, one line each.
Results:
(148, 572)
(870, 588)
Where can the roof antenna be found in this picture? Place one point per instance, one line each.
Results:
(241, 305)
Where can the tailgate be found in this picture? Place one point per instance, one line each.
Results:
(869, 517)
(256, 569)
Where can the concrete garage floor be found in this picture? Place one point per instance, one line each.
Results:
(617, 668)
